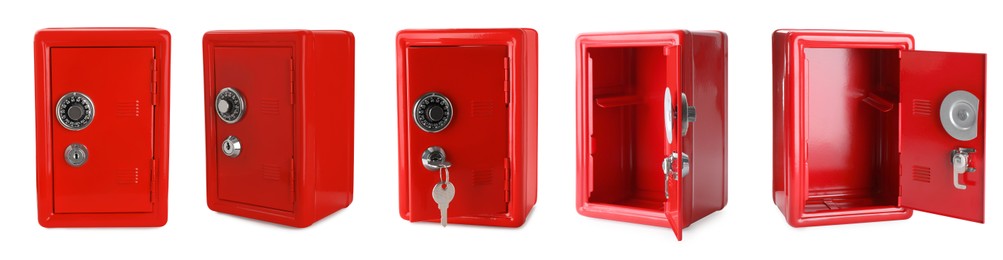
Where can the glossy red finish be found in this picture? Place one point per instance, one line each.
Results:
(125, 72)
(489, 75)
(296, 162)
(927, 77)
(838, 97)
(622, 78)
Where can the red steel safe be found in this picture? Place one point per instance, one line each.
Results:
(279, 117)
(105, 169)
(866, 128)
(488, 138)
(642, 155)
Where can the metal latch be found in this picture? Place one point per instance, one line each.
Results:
(960, 160)
(669, 173)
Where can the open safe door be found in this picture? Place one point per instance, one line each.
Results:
(942, 133)
(676, 162)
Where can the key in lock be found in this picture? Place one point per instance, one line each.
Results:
(434, 158)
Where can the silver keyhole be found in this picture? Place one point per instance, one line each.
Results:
(231, 146)
(434, 158)
(75, 155)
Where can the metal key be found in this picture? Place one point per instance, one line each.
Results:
(442, 194)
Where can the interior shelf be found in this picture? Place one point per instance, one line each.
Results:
(618, 101)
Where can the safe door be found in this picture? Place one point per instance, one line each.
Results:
(458, 130)
(254, 126)
(942, 133)
(102, 134)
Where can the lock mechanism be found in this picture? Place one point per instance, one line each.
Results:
(230, 105)
(434, 158)
(231, 146)
(75, 155)
(689, 114)
(959, 114)
(433, 112)
(75, 111)
(960, 161)
(667, 164)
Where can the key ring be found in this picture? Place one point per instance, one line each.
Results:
(446, 169)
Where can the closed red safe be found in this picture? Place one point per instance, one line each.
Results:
(866, 128)
(279, 117)
(467, 103)
(105, 169)
(642, 155)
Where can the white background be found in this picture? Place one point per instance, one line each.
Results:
(371, 227)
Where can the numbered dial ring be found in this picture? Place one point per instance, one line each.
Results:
(75, 111)
(230, 105)
(433, 112)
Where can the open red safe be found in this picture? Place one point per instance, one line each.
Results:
(468, 98)
(643, 156)
(866, 128)
(101, 126)
(279, 117)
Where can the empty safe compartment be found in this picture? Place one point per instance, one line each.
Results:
(467, 124)
(279, 117)
(643, 155)
(102, 111)
(858, 133)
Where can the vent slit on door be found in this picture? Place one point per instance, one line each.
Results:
(921, 107)
(921, 174)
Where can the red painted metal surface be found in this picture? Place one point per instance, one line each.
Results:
(296, 162)
(925, 77)
(622, 80)
(125, 73)
(846, 146)
(489, 76)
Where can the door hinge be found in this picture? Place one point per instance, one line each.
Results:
(292, 180)
(153, 81)
(153, 178)
(507, 82)
(292, 80)
(508, 180)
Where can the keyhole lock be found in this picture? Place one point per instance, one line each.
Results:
(75, 155)
(231, 146)
(230, 105)
(434, 158)
(433, 112)
(75, 111)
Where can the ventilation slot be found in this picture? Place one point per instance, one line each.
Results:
(921, 107)
(921, 174)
